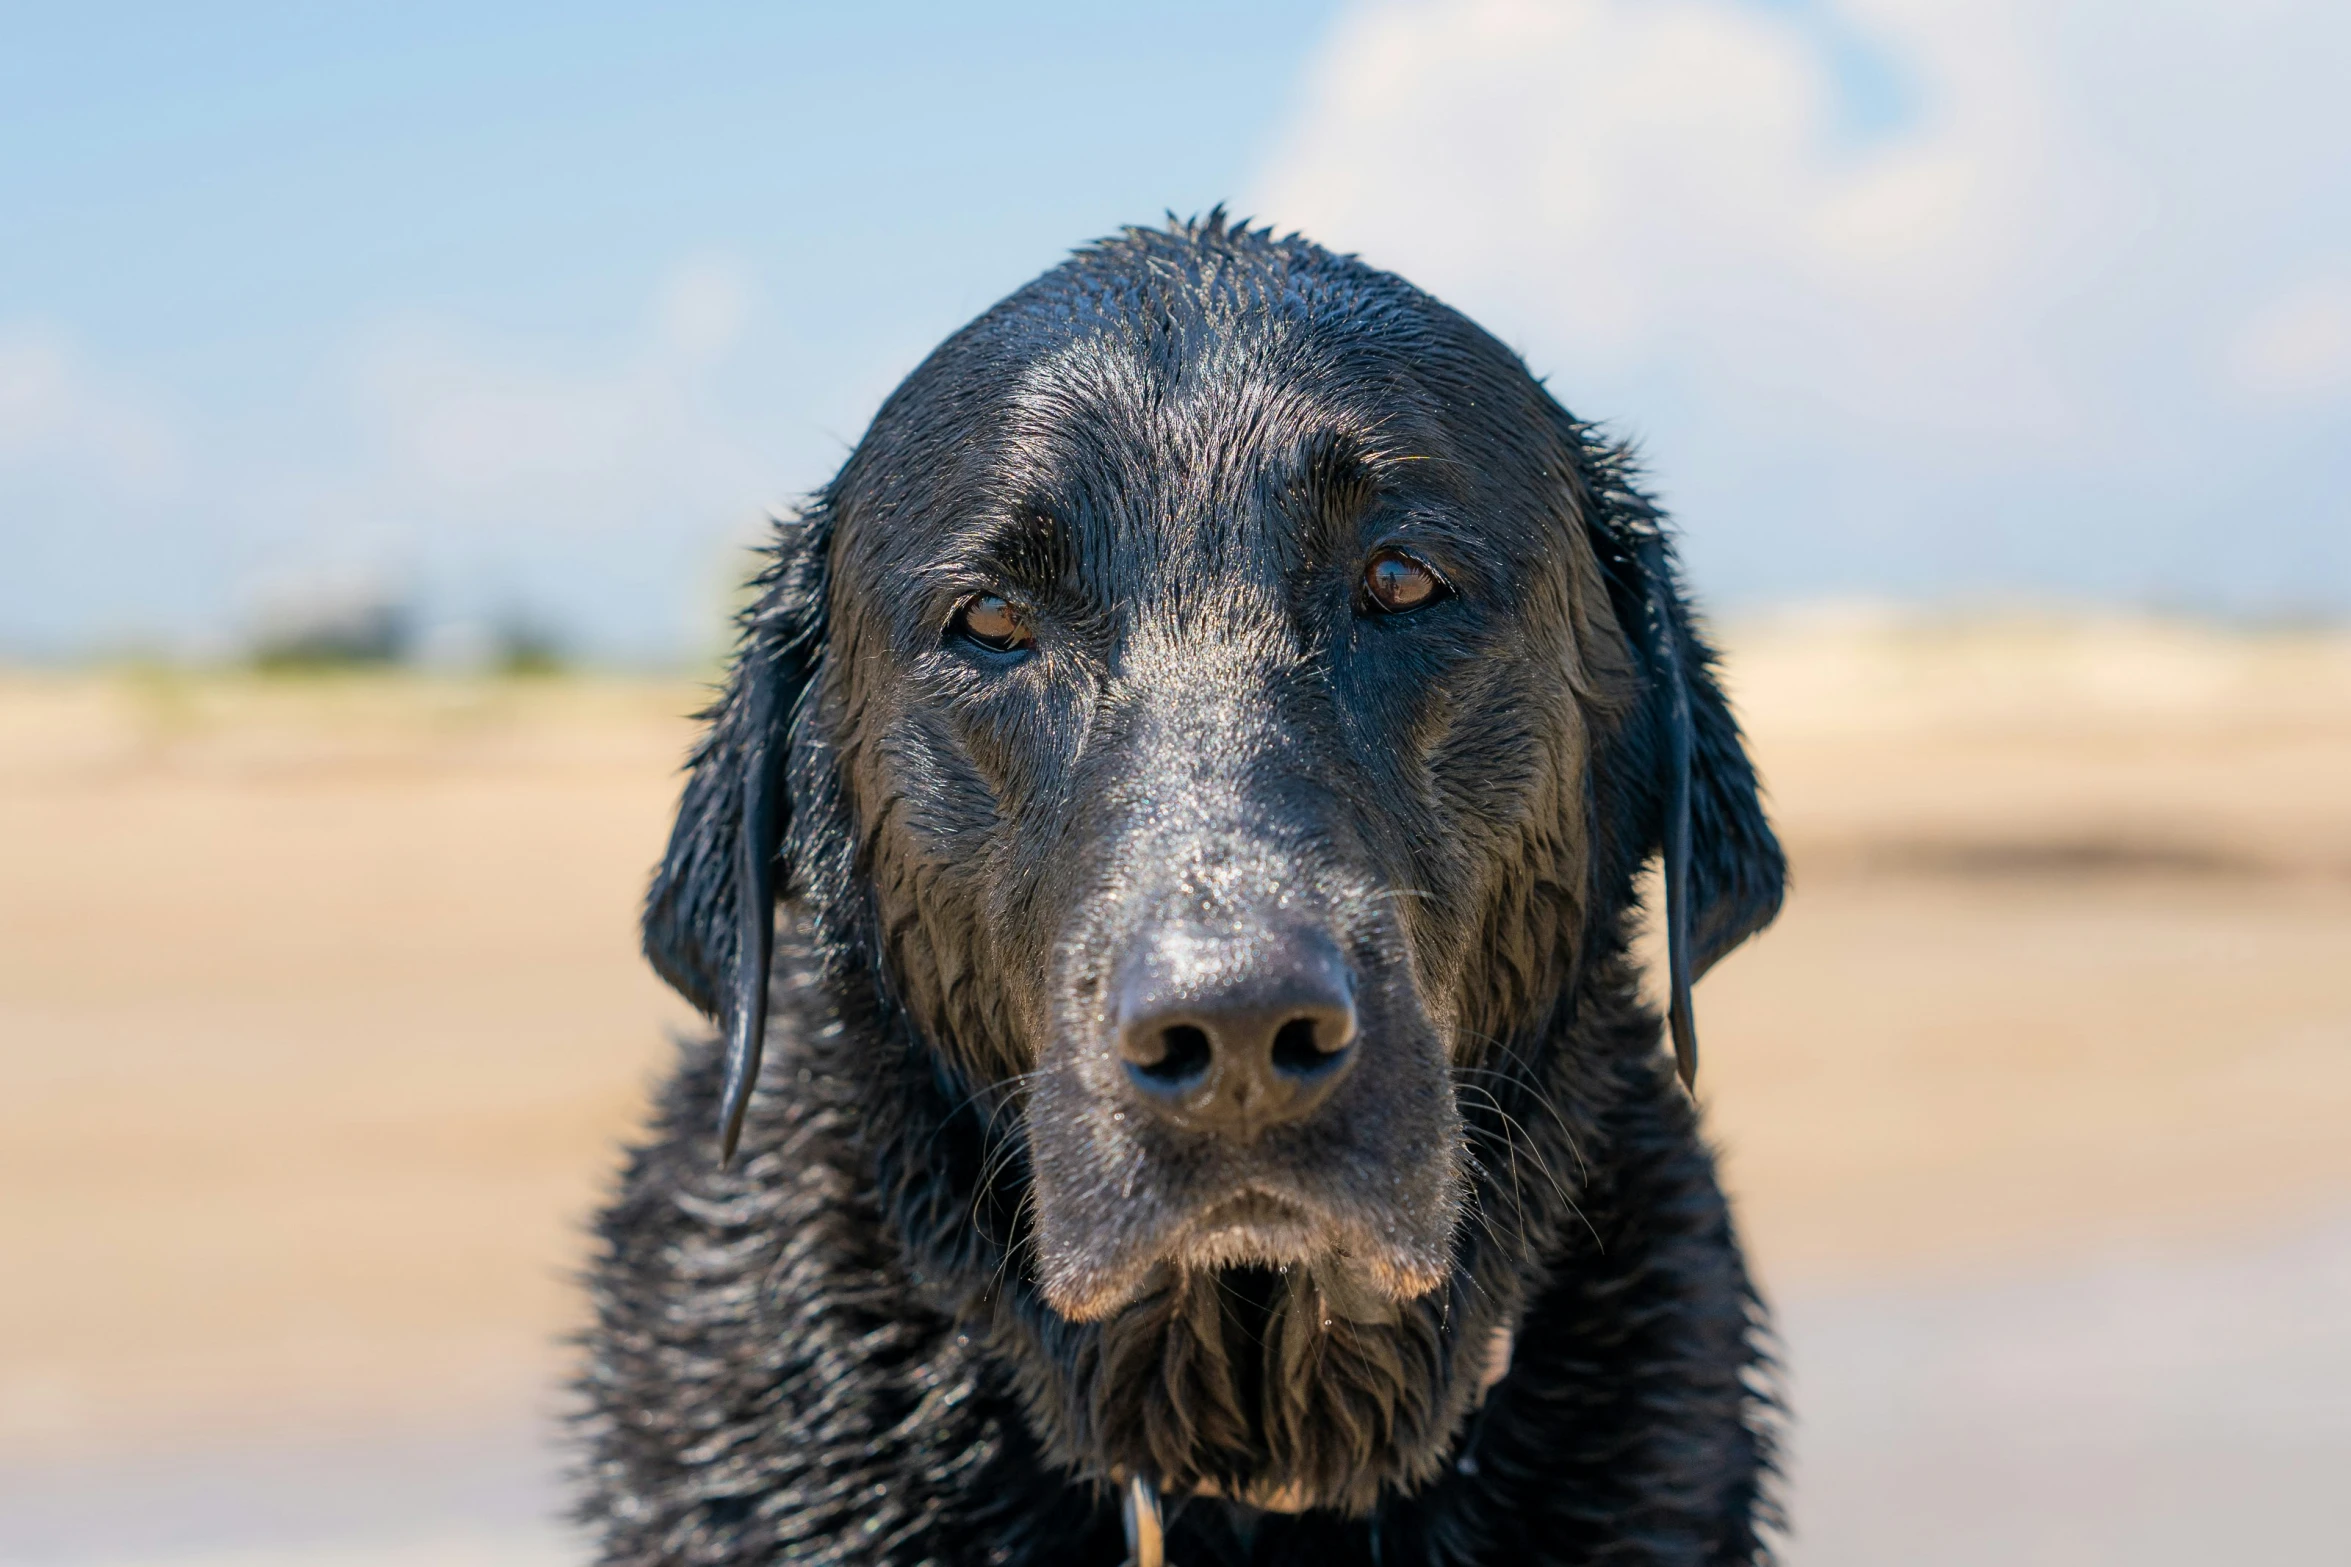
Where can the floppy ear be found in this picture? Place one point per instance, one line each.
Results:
(710, 916)
(1724, 871)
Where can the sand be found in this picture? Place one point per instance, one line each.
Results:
(320, 1016)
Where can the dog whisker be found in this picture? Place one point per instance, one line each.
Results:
(1526, 1081)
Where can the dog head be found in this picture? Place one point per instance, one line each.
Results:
(1231, 696)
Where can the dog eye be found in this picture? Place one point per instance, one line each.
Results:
(1394, 582)
(993, 623)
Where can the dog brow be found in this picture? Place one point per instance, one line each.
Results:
(1027, 544)
(1337, 475)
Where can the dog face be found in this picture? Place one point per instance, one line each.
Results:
(1219, 737)
(1225, 691)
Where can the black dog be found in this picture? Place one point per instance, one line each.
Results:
(1194, 761)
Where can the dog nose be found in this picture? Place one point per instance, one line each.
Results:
(1235, 1039)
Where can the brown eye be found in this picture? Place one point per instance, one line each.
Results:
(1395, 582)
(993, 623)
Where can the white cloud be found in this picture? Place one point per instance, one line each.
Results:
(704, 306)
(459, 427)
(590, 485)
(2298, 345)
(1974, 343)
(59, 414)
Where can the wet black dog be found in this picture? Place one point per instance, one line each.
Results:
(1193, 763)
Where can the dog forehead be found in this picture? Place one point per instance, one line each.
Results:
(1160, 406)
(1103, 418)
(1187, 487)
(1186, 362)
(1099, 454)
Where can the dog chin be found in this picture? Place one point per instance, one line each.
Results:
(1253, 1230)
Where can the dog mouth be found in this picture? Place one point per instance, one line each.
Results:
(1253, 1229)
(1256, 1229)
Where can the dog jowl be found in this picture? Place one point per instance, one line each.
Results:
(1202, 744)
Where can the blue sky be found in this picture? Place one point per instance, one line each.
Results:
(536, 308)
(224, 219)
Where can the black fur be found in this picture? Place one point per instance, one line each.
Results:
(931, 1311)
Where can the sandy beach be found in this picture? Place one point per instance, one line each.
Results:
(321, 1019)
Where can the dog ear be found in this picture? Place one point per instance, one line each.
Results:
(710, 915)
(1724, 872)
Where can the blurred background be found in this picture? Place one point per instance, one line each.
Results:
(387, 398)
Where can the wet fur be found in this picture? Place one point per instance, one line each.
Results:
(837, 1350)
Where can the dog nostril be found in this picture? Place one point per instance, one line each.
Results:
(1297, 1047)
(1184, 1053)
(1230, 1042)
